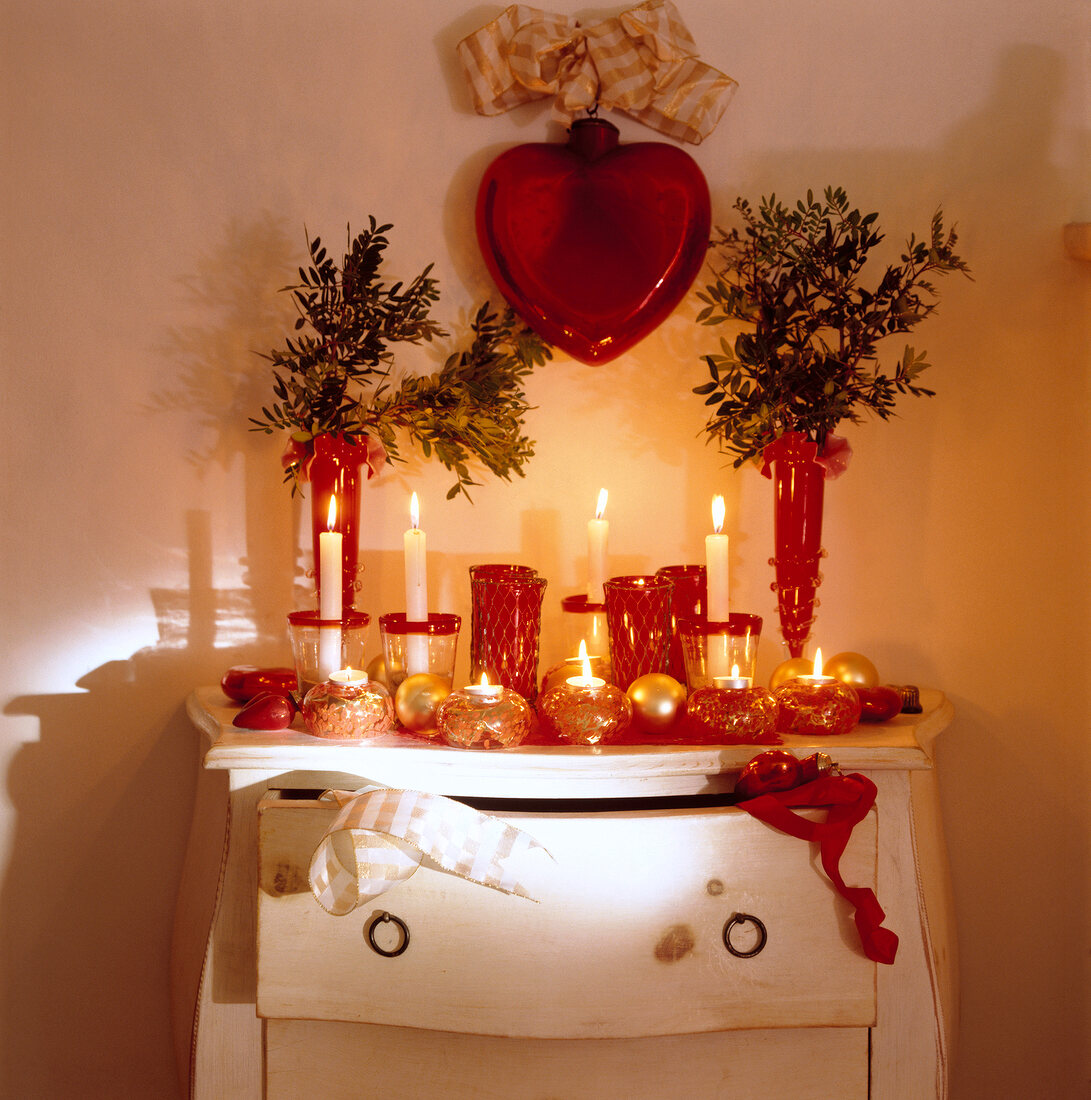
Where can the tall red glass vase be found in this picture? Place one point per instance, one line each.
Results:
(338, 468)
(798, 486)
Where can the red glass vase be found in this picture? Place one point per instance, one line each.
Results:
(798, 485)
(338, 467)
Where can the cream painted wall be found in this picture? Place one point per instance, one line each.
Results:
(160, 163)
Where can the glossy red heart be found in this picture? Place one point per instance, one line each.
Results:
(270, 710)
(594, 243)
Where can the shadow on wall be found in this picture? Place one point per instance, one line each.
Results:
(104, 797)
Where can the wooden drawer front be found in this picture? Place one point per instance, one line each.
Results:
(625, 941)
(340, 1061)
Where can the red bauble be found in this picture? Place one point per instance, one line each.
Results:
(594, 243)
(775, 770)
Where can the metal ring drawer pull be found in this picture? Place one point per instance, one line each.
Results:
(744, 918)
(388, 918)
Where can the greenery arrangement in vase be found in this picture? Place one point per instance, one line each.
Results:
(334, 377)
(807, 358)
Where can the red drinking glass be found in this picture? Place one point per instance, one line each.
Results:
(505, 623)
(638, 617)
(688, 601)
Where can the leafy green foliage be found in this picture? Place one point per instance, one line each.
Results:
(809, 355)
(336, 375)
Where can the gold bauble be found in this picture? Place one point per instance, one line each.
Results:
(790, 669)
(658, 701)
(852, 668)
(377, 671)
(417, 698)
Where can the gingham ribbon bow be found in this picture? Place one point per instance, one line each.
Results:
(381, 836)
(643, 63)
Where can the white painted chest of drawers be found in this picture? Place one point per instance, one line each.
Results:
(616, 981)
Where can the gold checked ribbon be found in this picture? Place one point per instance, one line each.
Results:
(381, 836)
(643, 63)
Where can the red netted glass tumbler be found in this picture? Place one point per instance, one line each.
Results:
(688, 600)
(638, 618)
(505, 622)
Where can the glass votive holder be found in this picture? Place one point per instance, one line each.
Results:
(321, 646)
(712, 648)
(348, 707)
(733, 711)
(411, 646)
(484, 716)
(585, 710)
(584, 621)
(688, 598)
(816, 706)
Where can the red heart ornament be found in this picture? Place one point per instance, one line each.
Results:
(594, 243)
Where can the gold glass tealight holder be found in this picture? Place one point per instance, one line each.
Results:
(348, 707)
(585, 709)
(484, 716)
(733, 711)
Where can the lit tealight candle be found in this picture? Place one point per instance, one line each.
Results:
(329, 594)
(817, 677)
(585, 679)
(353, 676)
(598, 530)
(483, 689)
(416, 590)
(733, 682)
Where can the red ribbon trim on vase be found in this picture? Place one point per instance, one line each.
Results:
(301, 455)
(833, 458)
(847, 799)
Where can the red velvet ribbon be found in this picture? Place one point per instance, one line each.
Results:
(847, 799)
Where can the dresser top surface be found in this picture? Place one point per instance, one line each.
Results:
(534, 771)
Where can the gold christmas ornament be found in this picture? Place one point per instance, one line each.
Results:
(658, 701)
(852, 668)
(790, 669)
(417, 698)
(377, 671)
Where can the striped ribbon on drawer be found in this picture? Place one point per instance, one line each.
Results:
(381, 835)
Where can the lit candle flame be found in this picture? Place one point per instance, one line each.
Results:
(331, 515)
(719, 510)
(484, 682)
(818, 662)
(600, 510)
(414, 512)
(734, 672)
(585, 660)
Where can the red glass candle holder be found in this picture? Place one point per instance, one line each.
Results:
(713, 648)
(638, 617)
(484, 717)
(689, 598)
(318, 643)
(438, 641)
(733, 715)
(338, 468)
(585, 711)
(353, 710)
(816, 706)
(505, 623)
(582, 620)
